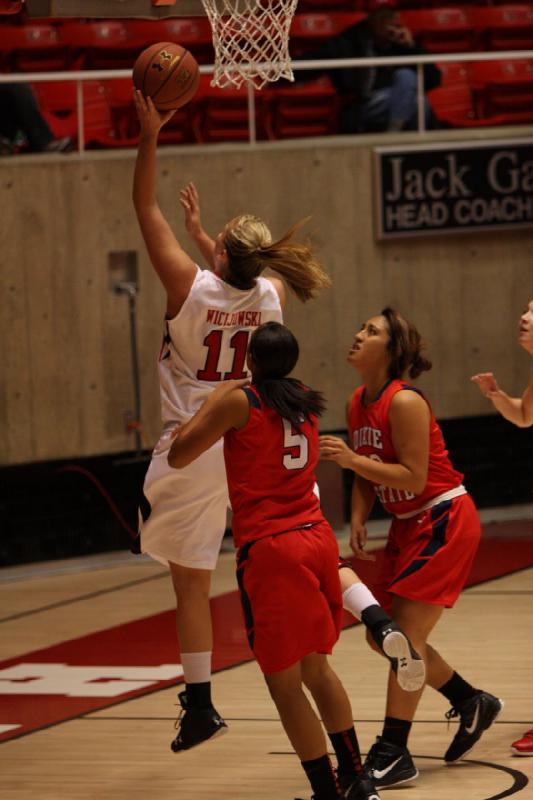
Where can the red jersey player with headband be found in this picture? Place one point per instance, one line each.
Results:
(287, 559)
(398, 454)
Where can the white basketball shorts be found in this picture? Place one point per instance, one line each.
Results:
(185, 517)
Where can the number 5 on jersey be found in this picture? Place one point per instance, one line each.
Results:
(295, 447)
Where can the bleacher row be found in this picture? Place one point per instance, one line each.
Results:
(475, 94)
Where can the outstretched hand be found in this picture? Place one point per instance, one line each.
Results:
(190, 201)
(487, 383)
(151, 120)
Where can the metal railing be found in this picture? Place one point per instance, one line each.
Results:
(326, 64)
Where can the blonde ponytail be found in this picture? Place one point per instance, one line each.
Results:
(250, 249)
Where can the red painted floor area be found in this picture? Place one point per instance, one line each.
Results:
(57, 683)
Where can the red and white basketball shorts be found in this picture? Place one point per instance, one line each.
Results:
(428, 557)
(291, 595)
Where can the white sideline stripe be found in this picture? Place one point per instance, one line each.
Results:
(4, 728)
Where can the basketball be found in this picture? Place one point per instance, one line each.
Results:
(167, 73)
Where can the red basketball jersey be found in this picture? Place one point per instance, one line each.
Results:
(271, 473)
(370, 435)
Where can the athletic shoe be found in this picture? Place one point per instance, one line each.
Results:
(523, 746)
(476, 715)
(408, 666)
(361, 788)
(388, 765)
(196, 725)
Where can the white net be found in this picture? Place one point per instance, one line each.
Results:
(251, 40)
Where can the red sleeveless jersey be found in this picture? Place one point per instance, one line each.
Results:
(370, 435)
(271, 473)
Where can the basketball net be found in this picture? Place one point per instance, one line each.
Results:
(251, 40)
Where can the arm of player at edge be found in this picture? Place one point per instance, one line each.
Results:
(174, 266)
(518, 410)
(226, 407)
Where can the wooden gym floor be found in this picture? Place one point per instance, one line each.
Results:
(88, 684)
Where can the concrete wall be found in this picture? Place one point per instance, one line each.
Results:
(66, 368)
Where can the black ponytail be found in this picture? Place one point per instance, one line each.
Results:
(274, 352)
(291, 399)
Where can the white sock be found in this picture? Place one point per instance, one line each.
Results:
(356, 598)
(196, 667)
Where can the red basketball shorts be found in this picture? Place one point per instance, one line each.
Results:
(428, 557)
(291, 595)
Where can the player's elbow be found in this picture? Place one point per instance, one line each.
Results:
(417, 483)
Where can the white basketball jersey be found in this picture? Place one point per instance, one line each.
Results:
(206, 342)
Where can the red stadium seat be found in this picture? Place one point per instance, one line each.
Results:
(311, 29)
(302, 110)
(58, 105)
(10, 6)
(441, 4)
(119, 96)
(453, 106)
(194, 33)
(178, 129)
(453, 73)
(444, 30)
(327, 6)
(57, 102)
(99, 127)
(367, 5)
(221, 115)
(503, 87)
(498, 93)
(33, 47)
(508, 27)
(100, 44)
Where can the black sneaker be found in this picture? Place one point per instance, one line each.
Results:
(196, 725)
(408, 666)
(387, 764)
(476, 715)
(359, 788)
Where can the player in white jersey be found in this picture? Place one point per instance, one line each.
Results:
(209, 318)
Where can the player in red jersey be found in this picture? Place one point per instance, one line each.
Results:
(287, 553)
(518, 410)
(398, 454)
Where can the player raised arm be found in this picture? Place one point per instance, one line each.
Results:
(175, 268)
(518, 410)
(190, 201)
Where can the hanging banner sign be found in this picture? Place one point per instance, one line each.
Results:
(453, 187)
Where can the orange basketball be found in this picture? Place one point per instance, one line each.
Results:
(168, 74)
